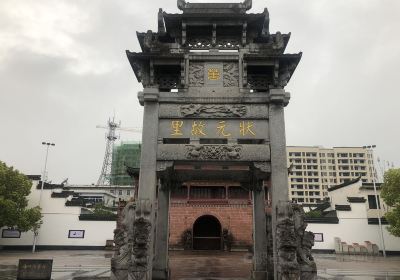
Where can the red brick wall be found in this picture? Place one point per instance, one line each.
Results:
(237, 218)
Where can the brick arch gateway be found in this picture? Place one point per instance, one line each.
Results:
(207, 233)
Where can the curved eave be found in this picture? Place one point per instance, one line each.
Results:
(173, 22)
(135, 59)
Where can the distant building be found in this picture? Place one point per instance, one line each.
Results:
(125, 154)
(314, 169)
(352, 216)
(68, 219)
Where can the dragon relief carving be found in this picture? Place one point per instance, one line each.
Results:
(216, 152)
(294, 244)
(123, 244)
(196, 74)
(214, 111)
(286, 243)
(231, 74)
(140, 241)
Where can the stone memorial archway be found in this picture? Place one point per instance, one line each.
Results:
(214, 98)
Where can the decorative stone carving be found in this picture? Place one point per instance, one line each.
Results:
(160, 20)
(123, 244)
(231, 74)
(196, 74)
(265, 29)
(181, 4)
(294, 244)
(220, 152)
(199, 42)
(285, 72)
(286, 243)
(305, 241)
(262, 166)
(141, 241)
(278, 42)
(214, 111)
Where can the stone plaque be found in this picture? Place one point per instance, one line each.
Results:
(213, 74)
(213, 128)
(34, 269)
(10, 233)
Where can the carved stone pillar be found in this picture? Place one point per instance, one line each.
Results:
(279, 177)
(160, 266)
(259, 233)
(148, 177)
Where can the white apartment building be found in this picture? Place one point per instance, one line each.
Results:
(314, 169)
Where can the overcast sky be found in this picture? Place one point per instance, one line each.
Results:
(63, 70)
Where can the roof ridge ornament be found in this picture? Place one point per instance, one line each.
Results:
(192, 7)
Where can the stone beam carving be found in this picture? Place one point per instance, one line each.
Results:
(139, 265)
(231, 74)
(196, 74)
(214, 111)
(219, 152)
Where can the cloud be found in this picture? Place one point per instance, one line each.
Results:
(63, 70)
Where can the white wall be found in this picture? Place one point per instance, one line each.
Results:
(58, 219)
(353, 227)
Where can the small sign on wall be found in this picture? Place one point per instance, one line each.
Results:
(318, 237)
(10, 233)
(76, 234)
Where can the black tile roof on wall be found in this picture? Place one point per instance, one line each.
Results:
(356, 199)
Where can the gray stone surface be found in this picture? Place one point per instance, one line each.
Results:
(208, 111)
(232, 152)
(34, 269)
(160, 267)
(226, 102)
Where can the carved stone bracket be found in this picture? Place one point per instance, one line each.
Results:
(263, 166)
(219, 152)
(279, 96)
(139, 266)
(214, 111)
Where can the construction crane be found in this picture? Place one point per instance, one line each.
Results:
(112, 126)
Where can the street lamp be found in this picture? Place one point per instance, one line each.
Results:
(47, 144)
(371, 148)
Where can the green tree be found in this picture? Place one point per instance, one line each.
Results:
(14, 188)
(102, 211)
(391, 195)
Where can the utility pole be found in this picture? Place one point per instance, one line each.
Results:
(35, 234)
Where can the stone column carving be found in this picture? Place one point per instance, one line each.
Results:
(279, 177)
(305, 241)
(160, 266)
(123, 244)
(286, 243)
(145, 213)
(259, 236)
(139, 266)
(293, 244)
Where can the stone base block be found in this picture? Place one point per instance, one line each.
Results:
(159, 274)
(259, 275)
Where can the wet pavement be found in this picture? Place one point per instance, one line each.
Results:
(201, 265)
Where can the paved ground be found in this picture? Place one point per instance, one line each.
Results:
(202, 265)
